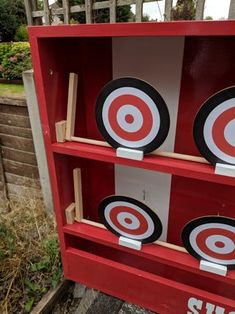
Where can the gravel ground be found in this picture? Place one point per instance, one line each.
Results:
(82, 300)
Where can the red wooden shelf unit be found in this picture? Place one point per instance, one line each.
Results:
(186, 62)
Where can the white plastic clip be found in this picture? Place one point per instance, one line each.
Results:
(213, 268)
(129, 153)
(132, 244)
(225, 170)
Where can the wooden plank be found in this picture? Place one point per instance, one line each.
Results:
(71, 105)
(16, 131)
(139, 11)
(88, 7)
(231, 14)
(24, 181)
(24, 192)
(66, 11)
(60, 130)
(15, 120)
(112, 11)
(19, 155)
(200, 9)
(57, 11)
(46, 12)
(17, 110)
(168, 7)
(13, 101)
(17, 142)
(38, 13)
(103, 5)
(21, 169)
(70, 214)
(48, 302)
(77, 181)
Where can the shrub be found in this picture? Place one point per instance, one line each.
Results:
(16, 61)
(4, 49)
(21, 33)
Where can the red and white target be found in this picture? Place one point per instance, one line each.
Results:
(211, 239)
(131, 113)
(214, 127)
(130, 218)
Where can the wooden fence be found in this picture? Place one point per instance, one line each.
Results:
(47, 14)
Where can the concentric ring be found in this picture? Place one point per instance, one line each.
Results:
(211, 238)
(127, 217)
(214, 127)
(131, 113)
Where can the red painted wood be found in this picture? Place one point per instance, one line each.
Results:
(157, 293)
(157, 278)
(154, 252)
(182, 28)
(178, 167)
(207, 68)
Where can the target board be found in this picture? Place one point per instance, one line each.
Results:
(130, 113)
(127, 217)
(211, 238)
(214, 127)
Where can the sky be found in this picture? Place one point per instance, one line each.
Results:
(216, 8)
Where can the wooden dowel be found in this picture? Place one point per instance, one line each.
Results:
(171, 246)
(164, 244)
(155, 152)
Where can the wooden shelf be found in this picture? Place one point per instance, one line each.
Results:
(177, 167)
(154, 252)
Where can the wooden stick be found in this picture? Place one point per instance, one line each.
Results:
(71, 105)
(93, 223)
(70, 214)
(161, 243)
(155, 152)
(171, 246)
(60, 130)
(77, 181)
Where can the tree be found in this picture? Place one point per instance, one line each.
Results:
(12, 14)
(184, 10)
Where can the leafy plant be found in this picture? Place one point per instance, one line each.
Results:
(21, 33)
(184, 10)
(16, 61)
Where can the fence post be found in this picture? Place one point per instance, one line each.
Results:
(66, 11)
(168, 7)
(46, 12)
(112, 11)
(200, 9)
(88, 7)
(32, 105)
(231, 14)
(139, 11)
(28, 10)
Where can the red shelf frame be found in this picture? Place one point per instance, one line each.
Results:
(189, 169)
(84, 247)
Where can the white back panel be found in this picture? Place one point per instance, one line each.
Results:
(158, 61)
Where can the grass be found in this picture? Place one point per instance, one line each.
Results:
(29, 256)
(11, 90)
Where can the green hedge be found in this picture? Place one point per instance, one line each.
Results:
(14, 59)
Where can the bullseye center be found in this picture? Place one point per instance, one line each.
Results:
(219, 244)
(129, 118)
(229, 132)
(128, 220)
